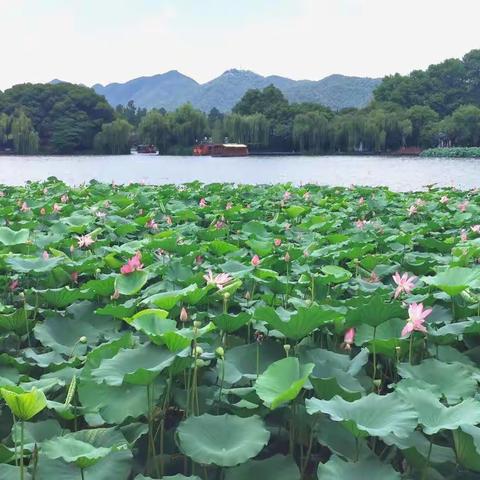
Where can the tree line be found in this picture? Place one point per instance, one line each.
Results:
(436, 107)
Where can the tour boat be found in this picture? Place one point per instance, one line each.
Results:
(220, 150)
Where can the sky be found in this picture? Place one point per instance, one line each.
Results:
(103, 41)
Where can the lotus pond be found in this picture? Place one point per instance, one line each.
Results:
(228, 333)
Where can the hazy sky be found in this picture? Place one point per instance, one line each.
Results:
(90, 41)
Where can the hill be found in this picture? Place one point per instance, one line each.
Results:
(172, 89)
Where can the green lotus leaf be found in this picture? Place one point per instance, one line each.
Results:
(299, 324)
(455, 280)
(24, 405)
(335, 274)
(37, 432)
(10, 237)
(282, 381)
(138, 366)
(59, 297)
(168, 300)
(26, 264)
(370, 467)
(10, 472)
(223, 440)
(434, 416)
(75, 451)
(374, 415)
(377, 310)
(132, 283)
(467, 446)
(17, 321)
(152, 322)
(452, 380)
(231, 323)
(278, 467)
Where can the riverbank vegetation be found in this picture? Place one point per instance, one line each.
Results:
(225, 332)
(453, 152)
(436, 107)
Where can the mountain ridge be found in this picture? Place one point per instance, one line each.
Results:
(171, 89)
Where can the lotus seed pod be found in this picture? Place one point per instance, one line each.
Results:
(21, 295)
(199, 362)
(247, 295)
(377, 382)
(197, 324)
(287, 347)
(83, 339)
(220, 352)
(198, 351)
(226, 295)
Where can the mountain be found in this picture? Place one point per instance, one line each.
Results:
(172, 89)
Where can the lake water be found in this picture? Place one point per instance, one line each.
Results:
(398, 173)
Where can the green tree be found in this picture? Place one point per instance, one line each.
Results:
(114, 138)
(24, 136)
(155, 129)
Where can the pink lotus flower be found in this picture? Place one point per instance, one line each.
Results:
(255, 261)
(13, 285)
(373, 278)
(286, 196)
(24, 207)
(464, 236)
(361, 201)
(306, 196)
(219, 280)
(2, 194)
(100, 214)
(475, 228)
(84, 241)
(416, 319)
(412, 210)
(133, 265)
(404, 283)
(463, 206)
(56, 208)
(444, 200)
(202, 203)
(220, 224)
(151, 224)
(277, 242)
(419, 202)
(45, 255)
(198, 259)
(64, 198)
(349, 338)
(360, 224)
(183, 315)
(229, 206)
(45, 190)
(106, 204)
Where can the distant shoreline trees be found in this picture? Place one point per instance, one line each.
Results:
(436, 107)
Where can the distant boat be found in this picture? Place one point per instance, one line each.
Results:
(221, 150)
(145, 149)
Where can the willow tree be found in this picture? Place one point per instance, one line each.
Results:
(24, 137)
(310, 132)
(114, 138)
(155, 129)
(249, 129)
(4, 121)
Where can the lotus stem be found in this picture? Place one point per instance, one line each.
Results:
(427, 464)
(410, 350)
(309, 451)
(22, 466)
(374, 354)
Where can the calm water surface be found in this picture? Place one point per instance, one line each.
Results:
(398, 173)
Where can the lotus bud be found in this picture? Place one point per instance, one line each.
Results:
(287, 257)
(97, 271)
(183, 314)
(220, 352)
(287, 347)
(197, 324)
(82, 339)
(247, 295)
(21, 295)
(277, 242)
(255, 261)
(377, 382)
(259, 337)
(198, 351)
(226, 295)
(200, 363)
